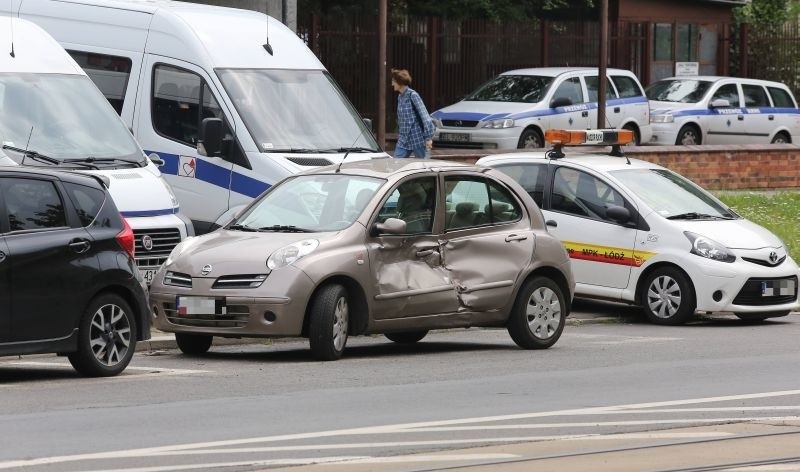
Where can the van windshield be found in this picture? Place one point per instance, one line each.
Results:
(679, 91)
(63, 117)
(512, 88)
(295, 110)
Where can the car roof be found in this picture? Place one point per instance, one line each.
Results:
(387, 167)
(582, 156)
(716, 78)
(556, 71)
(63, 175)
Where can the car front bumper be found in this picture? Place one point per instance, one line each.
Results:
(479, 138)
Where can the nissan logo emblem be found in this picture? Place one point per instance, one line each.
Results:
(206, 269)
(773, 257)
(147, 242)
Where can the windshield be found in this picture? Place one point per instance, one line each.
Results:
(295, 110)
(679, 91)
(63, 117)
(669, 194)
(312, 202)
(512, 88)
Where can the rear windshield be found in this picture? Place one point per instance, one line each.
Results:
(512, 88)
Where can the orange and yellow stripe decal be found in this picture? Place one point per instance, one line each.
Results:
(606, 254)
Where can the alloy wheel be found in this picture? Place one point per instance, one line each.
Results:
(110, 334)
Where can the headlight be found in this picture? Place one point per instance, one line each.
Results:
(437, 122)
(182, 246)
(708, 248)
(506, 123)
(291, 253)
(661, 118)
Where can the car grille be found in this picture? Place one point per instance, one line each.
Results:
(750, 295)
(164, 241)
(178, 280)
(460, 123)
(763, 262)
(236, 317)
(240, 281)
(310, 161)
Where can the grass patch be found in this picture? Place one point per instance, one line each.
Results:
(779, 212)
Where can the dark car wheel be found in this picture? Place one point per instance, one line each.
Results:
(194, 344)
(328, 323)
(688, 135)
(530, 139)
(668, 297)
(539, 314)
(106, 337)
(406, 337)
(781, 138)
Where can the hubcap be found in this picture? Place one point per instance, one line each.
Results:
(531, 142)
(110, 334)
(664, 297)
(689, 138)
(340, 317)
(543, 312)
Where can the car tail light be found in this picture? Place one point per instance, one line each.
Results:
(125, 237)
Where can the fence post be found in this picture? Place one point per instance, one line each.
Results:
(315, 34)
(743, 30)
(545, 44)
(433, 61)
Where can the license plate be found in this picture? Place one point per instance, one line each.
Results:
(777, 288)
(454, 137)
(148, 273)
(200, 306)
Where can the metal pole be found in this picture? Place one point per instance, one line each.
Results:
(601, 76)
(382, 21)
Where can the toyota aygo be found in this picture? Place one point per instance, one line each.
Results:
(393, 246)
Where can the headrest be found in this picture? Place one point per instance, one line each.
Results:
(465, 208)
(497, 207)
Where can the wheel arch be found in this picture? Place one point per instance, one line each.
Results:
(693, 124)
(359, 313)
(553, 274)
(658, 265)
(140, 312)
(536, 128)
(782, 130)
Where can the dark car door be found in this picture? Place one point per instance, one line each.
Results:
(49, 256)
(5, 293)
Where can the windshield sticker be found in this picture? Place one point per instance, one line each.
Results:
(606, 254)
(267, 146)
(187, 166)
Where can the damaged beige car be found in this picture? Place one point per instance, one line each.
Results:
(392, 246)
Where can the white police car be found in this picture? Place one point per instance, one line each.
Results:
(514, 109)
(639, 233)
(722, 110)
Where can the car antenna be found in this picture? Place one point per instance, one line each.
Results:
(347, 151)
(267, 46)
(25, 154)
(11, 21)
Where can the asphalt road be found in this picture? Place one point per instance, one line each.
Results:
(616, 384)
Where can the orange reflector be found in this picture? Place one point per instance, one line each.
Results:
(588, 137)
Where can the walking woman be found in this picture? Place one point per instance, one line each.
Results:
(413, 120)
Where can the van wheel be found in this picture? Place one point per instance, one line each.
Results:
(106, 337)
(637, 140)
(668, 297)
(193, 344)
(781, 138)
(539, 314)
(530, 139)
(407, 337)
(688, 135)
(329, 318)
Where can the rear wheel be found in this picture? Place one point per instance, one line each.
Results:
(530, 139)
(539, 314)
(688, 135)
(781, 138)
(106, 337)
(406, 337)
(328, 323)
(668, 297)
(193, 344)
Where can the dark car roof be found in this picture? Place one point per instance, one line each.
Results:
(64, 175)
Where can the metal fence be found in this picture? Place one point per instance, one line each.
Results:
(768, 54)
(449, 58)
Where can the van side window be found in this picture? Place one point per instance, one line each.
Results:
(32, 204)
(109, 73)
(626, 86)
(728, 92)
(530, 176)
(570, 88)
(781, 98)
(593, 85)
(578, 193)
(755, 96)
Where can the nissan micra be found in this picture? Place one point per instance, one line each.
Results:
(393, 246)
(639, 233)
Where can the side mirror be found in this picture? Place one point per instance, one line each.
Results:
(390, 226)
(210, 142)
(560, 102)
(368, 122)
(719, 103)
(156, 160)
(619, 214)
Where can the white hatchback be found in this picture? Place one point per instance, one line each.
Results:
(639, 233)
(722, 110)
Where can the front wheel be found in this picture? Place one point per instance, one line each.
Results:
(539, 314)
(406, 337)
(328, 323)
(106, 337)
(668, 297)
(688, 135)
(193, 344)
(530, 139)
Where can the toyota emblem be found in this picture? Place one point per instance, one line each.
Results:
(206, 269)
(773, 257)
(147, 242)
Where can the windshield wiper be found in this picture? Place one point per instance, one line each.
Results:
(93, 161)
(692, 215)
(294, 150)
(33, 155)
(238, 227)
(349, 149)
(286, 229)
(322, 151)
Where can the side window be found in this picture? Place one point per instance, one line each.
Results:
(755, 96)
(593, 86)
(626, 86)
(109, 73)
(570, 88)
(87, 200)
(414, 202)
(32, 204)
(504, 206)
(530, 176)
(582, 194)
(467, 202)
(728, 92)
(781, 98)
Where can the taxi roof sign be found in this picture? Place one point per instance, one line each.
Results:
(601, 137)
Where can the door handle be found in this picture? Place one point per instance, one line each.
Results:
(552, 223)
(516, 237)
(585, 114)
(425, 252)
(617, 109)
(740, 117)
(771, 117)
(79, 245)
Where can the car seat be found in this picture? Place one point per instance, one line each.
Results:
(412, 208)
(463, 217)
